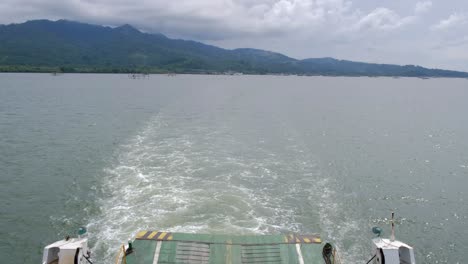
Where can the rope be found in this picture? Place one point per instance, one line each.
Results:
(371, 259)
(87, 258)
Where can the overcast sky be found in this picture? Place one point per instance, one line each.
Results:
(429, 33)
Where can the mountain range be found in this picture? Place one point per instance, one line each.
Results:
(68, 46)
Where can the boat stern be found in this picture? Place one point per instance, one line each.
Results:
(152, 247)
(392, 252)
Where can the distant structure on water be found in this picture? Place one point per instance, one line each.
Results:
(138, 75)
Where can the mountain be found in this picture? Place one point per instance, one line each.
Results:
(43, 45)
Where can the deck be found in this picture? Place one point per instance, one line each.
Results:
(152, 247)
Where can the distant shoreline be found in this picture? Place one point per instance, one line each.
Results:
(79, 70)
(143, 75)
(71, 47)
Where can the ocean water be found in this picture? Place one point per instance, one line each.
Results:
(233, 154)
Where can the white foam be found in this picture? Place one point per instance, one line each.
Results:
(175, 179)
(175, 175)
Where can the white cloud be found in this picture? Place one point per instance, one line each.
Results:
(212, 18)
(422, 7)
(385, 19)
(348, 29)
(382, 19)
(454, 20)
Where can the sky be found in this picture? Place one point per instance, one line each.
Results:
(431, 33)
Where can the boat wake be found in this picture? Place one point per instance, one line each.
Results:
(182, 175)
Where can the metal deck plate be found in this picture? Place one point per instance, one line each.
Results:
(153, 247)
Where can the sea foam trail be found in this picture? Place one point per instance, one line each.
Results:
(188, 175)
(185, 177)
(337, 222)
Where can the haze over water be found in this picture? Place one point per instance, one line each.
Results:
(233, 154)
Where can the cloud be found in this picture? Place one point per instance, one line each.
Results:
(382, 19)
(226, 17)
(454, 20)
(349, 29)
(422, 7)
(212, 18)
(385, 19)
(461, 41)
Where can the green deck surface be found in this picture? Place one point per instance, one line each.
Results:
(181, 248)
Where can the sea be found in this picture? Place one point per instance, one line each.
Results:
(233, 154)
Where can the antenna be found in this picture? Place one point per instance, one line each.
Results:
(392, 237)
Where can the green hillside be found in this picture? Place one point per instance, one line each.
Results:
(48, 46)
